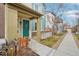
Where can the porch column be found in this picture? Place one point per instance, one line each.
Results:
(30, 29)
(38, 29)
(6, 12)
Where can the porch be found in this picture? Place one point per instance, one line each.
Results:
(17, 15)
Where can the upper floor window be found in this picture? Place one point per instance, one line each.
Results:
(38, 7)
(35, 6)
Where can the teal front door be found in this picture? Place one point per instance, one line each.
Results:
(25, 28)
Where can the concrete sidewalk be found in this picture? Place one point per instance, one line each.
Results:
(40, 49)
(67, 47)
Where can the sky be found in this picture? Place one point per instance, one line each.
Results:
(69, 12)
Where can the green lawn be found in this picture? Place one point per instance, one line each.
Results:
(77, 36)
(52, 40)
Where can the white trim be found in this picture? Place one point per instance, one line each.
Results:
(30, 29)
(6, 10)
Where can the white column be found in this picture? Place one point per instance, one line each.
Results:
(6, 12)
(30, 29)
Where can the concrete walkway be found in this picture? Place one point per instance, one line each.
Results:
(40, 49)
(67, 47)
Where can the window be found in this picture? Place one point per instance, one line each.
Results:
(35, 26)
(43, 23)
(35, 6)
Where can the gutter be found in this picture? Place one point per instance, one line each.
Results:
(30, 10)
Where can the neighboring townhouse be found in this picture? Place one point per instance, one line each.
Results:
(51, 21)
(40, 8)
(18, 20)
(67, 26)
(50, 25)
(60, 25)
(75, 29)
(54, 23)
(50, 17)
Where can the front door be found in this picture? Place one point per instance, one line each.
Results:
(25, 28)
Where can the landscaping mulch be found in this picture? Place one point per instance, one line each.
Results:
(20, 50)
(26, 51)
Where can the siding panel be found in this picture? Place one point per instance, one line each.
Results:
(11, 24)
(2, 21)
